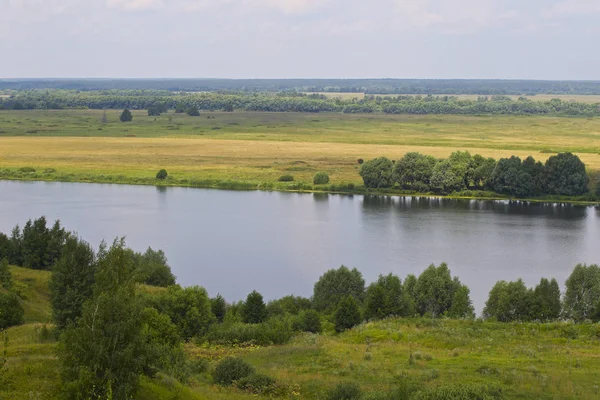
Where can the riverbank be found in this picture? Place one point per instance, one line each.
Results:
(292, 187)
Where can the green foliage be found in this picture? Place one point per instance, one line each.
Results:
(188, 308)
(321, 178)
(11, 310)
(104, 354)
(162, 174)
(566, 175)
(126, 116)
(286, 178)
(460, 392)
(509, 301)
(153, 111)
(448, 177)
(336, 284)
(377, 173)
(414, 171)
(288, 305)
(258, 384)
(345, 391)
(192, 111)
(218, 307)
(6, 281)
(180, 108)
(254, 310)
(277, 330)
(435, 292)
(385, 298)
(309, 321)
(461, 307)
(546, 301)
(231, 369)
(72, 280)
(38, 245)
(153, 268)
(347, 315)
(583, 293)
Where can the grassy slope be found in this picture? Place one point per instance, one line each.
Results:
(260, 147)
(545, 361)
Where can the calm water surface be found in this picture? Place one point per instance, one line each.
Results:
(280, 243)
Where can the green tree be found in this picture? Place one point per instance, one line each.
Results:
(153, 111)
(193, 112)
(462, 306)
(163, 349)
(218, 307)
(11, 310)
(126, 116)
(5, 275)
(153, 268)
(582, 296)
(180, 108)
(414, 171)
(4, 246)
(434, 291)
(254, 310)
(347, 315)
(162, 174)
(321, 178)
(40, 246)
(310, 321)
(385, 298)
(448, 177)
(336, 284)
(546, 301)
(104, 354)
(509, 301)
(377, 173)
(288, 305)
(72, 281)
(480, 170)
(15, 255)
(566, 175)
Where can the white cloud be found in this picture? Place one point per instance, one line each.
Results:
(573, 7)
(134, 5)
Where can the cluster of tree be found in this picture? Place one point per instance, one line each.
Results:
(562, 174)
(11, 310)
(39, 246)
(513, 301)
(382, 86)
(156, 101)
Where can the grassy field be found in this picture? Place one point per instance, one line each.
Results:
(590, 99)
(516, 361)
(260, 147)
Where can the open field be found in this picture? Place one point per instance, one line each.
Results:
(509, 361)
(590, 99)
(260, 147)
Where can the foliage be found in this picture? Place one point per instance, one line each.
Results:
(72, 280)
(347, 315)
(345, 391)
(126, 116)
(509, 301)
(448, 177)
(566, 175)
(6, 280)
(461, 307)
(104, 354)
(153, 111)
(153, 268)
(257, 384)
(276, 330)
(377, 173)
(286, 178)
(546, 301)
(435, 292)
(414, 171)
(288, 305)
(231, 369)
(460, 392)
(321, 178)
(309, 321)
(254, 310)
(162, 174)
(218, 307)
(192, 111)
(336, 284)
(386, 298)
(11, 310)
(38, 247)
(583, 293)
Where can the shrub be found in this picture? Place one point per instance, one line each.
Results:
(321, 178)
(153, 112)
(193, 112)
(456, 392)
(310, 321)
(345, 391)
(5, 275)
(347, 314)
(11, 310)
(335, 284)
(274, 331)
(254, 310)
(126, 116)
(286, 178)
(257, 384)
(49, 171)
(27, 170)
(360, 161)
(231, 369)
(377, 173)
(162, 174)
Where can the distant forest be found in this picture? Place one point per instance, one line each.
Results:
(369, 86)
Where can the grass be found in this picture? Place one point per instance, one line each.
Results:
(521, 361)
(250, 150)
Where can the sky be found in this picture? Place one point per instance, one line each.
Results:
(486, 39)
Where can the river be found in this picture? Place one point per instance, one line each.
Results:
(233, 242)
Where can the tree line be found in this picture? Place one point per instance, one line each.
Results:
(112, 331)
(563, 174)
(381, 86)
(288, 102)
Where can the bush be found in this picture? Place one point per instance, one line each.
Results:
(27, 170)
(310, 321)
(231, 369)
(257, 384)
(321, 178)
(126, 116)
(11, 310)
(153, 112)
(377, 173)
(347, 314)
(459, 392)
(286, 178)
(162, 174)
(345, 391)
(360, 161)
(274, 331)
(254, 310)
(193, 112)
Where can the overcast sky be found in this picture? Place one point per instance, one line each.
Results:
(529, 39)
